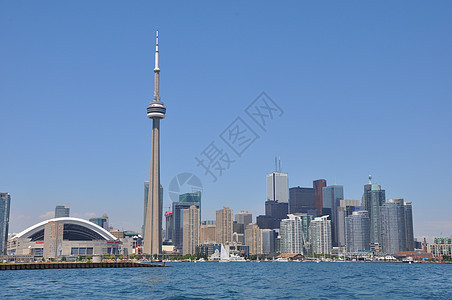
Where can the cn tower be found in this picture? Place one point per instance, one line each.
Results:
(155, 111)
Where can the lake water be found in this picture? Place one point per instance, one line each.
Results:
(236, 281)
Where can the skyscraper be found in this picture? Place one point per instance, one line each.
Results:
(318, 185)
(373, 198)
(345, 209)
(62, 211)
(409, 226)
(278, 187)
(332, 195)
(274, 212)
(191, 197)
(395, 235)
(155, 111)
(224, 226)
(302, 200)
(5, 201)
(191, 229)
(357, 231)
(244, 218)
(178, 217)
(320, 235)
(101, 221)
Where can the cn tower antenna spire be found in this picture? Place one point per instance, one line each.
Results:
(156, 68)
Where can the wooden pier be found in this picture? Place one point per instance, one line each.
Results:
(76, 265)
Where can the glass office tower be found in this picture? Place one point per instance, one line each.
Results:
(5, 201)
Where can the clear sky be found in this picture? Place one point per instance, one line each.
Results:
(364, 88)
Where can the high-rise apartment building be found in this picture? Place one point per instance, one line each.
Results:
(224, 225)
(395, 235)
(192, 223)
(62, 211)
(357, 233)
(318, 186)
(332, 195)
(268, 241)
(291, 231)
(244, 218)
(5, 202)
(320, 235)
(253, 238)
(302, 200)
(373, 198)
(278, 187)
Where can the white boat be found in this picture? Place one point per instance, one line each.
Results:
(236, 258)
(281, 259)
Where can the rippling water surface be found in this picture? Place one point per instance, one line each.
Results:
(236, 281)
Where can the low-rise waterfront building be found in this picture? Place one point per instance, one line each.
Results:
(441, 246)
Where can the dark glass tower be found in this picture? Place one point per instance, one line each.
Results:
(302, 200)
(318, 185)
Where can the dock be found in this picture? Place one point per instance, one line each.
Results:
(76, 265)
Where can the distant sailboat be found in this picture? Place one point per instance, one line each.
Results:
(224, 255)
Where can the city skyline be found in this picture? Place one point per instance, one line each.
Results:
(69, 155)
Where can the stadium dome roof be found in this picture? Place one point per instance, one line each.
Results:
(75, 229)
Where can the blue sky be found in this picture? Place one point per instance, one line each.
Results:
(365, 88)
